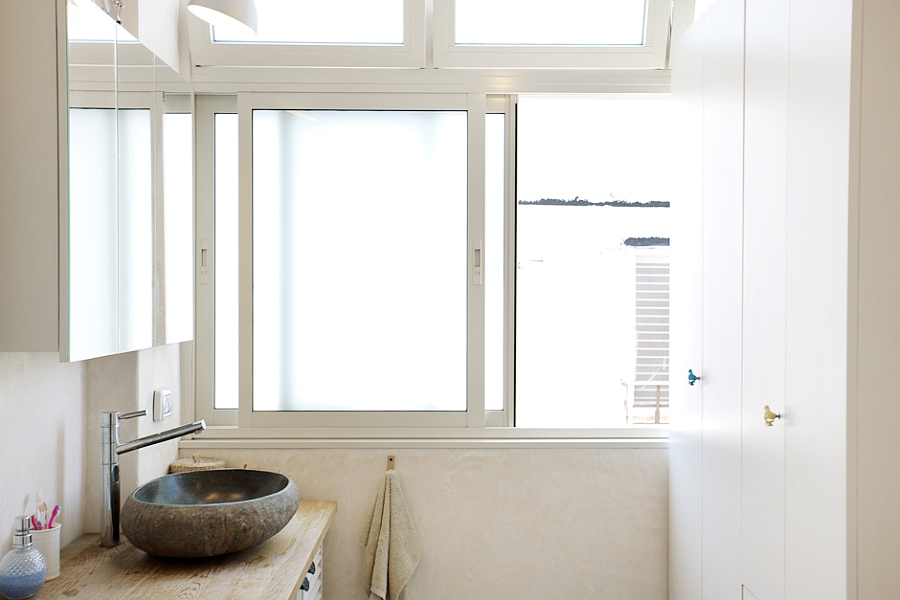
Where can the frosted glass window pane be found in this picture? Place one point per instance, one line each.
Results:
(359, 260)
(494, 248)
(550, 23)
(322, 22)
(93, 239)
(135, 230)
(226, 262)
(178, 196)
(593, 180)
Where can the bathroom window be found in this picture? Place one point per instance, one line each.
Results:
(426, 264)
(593, 194)
(359, 260)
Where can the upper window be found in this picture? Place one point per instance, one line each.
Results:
(318, 33)
(365, 22)
(557, 23)
(551, 34)
(538, 34)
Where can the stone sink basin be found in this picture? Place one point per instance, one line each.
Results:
(208, 513)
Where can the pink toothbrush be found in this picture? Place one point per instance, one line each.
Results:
(53, 515)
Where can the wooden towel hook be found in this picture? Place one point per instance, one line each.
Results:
(390, 464)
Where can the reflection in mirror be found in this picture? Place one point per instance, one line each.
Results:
(93, 217)
(130, 214)
(93, 181)
(175, 319)
(135, 87)
(174, 208)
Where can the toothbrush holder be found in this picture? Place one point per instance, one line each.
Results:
(47, 541)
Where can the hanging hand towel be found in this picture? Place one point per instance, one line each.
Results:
(392, 545)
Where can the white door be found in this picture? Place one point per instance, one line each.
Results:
(765, 210)
(705, 451)
(686, 410)
(722, 298)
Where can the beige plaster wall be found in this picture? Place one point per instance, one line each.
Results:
(42, 404)
(497, 523)
(125, 383)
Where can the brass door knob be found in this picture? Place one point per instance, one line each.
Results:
(769, 416)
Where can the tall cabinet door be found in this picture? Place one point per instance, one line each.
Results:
(686, 412)
(723, 62)
(765, 209)
(705, 451)
(817, 464)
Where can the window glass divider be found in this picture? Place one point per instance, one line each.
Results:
(509, 335)
(475, 320)
(204, 288)
(245, 258)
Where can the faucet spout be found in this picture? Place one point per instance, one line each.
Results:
(195, 427)
(110, 449)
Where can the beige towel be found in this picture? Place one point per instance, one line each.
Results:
(392, 545)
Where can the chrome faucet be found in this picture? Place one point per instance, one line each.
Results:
(110, 449)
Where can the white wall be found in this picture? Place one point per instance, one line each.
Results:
(42, 408)
(49, 430)
(496, 523)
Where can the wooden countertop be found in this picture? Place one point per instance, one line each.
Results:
(272, 570)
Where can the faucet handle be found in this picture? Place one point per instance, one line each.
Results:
(132, 415)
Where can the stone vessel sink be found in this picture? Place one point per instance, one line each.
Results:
(208, 513)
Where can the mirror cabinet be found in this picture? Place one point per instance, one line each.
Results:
(126, 280)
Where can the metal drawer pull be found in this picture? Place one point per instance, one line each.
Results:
(312, 569)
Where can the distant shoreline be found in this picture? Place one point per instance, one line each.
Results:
(579, 202)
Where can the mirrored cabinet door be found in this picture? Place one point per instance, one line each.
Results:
(130, 199)
(93, 211)
(135, 95)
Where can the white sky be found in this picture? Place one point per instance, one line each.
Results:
(594, 147)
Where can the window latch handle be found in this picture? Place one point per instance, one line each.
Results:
(204, 261)
(477, 273)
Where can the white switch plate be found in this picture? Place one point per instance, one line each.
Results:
(162, 404)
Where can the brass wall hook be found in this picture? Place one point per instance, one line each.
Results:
(769, 416)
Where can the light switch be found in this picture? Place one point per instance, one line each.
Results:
(162, 404)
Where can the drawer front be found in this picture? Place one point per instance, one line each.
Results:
(314, 579)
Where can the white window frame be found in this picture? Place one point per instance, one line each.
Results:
(245, 417)
(206, 52)
(206, 108)
(652, 54)
(475, 422)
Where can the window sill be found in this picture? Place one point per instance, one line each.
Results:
(497, 438)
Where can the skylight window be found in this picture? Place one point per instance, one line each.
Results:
(350, 22)
(544, 23)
